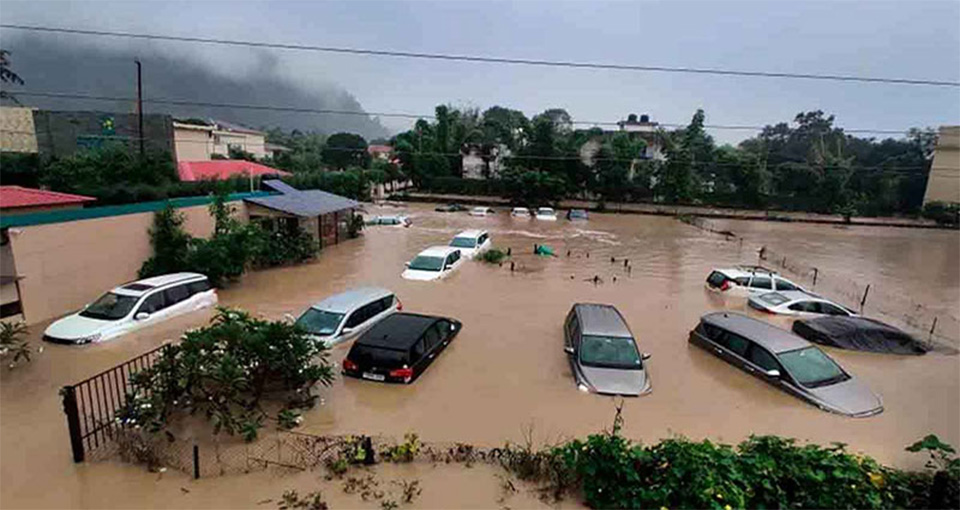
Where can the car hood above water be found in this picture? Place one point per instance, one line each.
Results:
(851, 397)
(615, 381)
(414, 274)
(75, 327)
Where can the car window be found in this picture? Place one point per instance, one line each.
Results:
(444, 328)
(418, 350)
(153, 303)
(761, 358)
(812, 367)
(716, 279)
(785, 285)
(743, 280)
(110, 307)
(760, 282)
(572, 325)
(198, 287)
(386, 303)
(733, 342)
(609, 352)
(431, 337)
(176, 294)
(367, 356)
(319, 322)
(830, 309)
(804, 306)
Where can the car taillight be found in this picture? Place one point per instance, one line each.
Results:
(349, 365)
(726, 285)
(399, 306)
(402, 373)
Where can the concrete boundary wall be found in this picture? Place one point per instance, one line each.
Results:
(69, 264)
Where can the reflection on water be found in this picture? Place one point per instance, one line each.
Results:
(506, 369)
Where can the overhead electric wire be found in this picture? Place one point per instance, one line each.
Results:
(886, 170)
(486, 59)
(321, 111)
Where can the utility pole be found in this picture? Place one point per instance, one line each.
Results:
(140, 106)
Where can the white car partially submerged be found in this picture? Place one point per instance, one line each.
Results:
(520, 212)
(343, 317)
(546, 214)
(795, 302)
(390, 221)
(471, 243)
(746, 281)
(481, 211)
(434, 263)
(133, 306)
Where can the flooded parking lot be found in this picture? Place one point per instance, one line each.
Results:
(506, 370)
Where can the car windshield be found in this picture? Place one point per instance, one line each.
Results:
(110, 307)
(319, 322)
(774, 298)
(463, 242)
(545, 210)
(424, 263)
(576, 213)
(812, 367)
(367, 357)
(609, 352)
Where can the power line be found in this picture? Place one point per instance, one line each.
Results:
(487, 59)
(885, 170)
(320, 111)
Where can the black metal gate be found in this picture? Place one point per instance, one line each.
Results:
(91, 405)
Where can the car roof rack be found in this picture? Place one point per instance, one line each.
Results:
(756, 269)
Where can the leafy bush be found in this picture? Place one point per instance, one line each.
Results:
(493, 256)
(225, 371)
(352, 183)
(12, 342)
(943, 213)
(228, 252)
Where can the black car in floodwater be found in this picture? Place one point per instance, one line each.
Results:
(400, 347)
(450, 208)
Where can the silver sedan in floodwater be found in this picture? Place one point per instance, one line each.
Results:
(786, 361)
(603, 353)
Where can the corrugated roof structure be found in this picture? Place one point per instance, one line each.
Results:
(12, 197)
(307, 203)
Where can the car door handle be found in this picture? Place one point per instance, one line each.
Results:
(719, 351)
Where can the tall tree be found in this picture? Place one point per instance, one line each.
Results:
(344, 150)
(8, 76)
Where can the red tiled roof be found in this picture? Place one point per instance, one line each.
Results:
(373, 149)
(17, 196)
(223, 169)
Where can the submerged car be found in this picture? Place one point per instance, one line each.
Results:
(481, 211)
(400, 347)
(344, 316)
(450, 208)
(390, 221)
(471, 243)
(433, 263)
(133, 306)
(546, 214)
(859, 333)
(795, 302)
(520, 212)
(577, 215)
(747, 280)
(786, 361)
(603, 353)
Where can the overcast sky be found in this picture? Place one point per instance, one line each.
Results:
(919, 40)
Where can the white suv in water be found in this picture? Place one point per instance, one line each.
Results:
(471, 242)
(748, 280)
(133, 306)
(434, 263)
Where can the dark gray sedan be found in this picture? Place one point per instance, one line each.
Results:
(603, 353)
(786, 361)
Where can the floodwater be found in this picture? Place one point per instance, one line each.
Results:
(506, 372)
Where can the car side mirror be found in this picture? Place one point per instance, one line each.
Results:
(568, 349)
(406, 264)
(645, 356)
(346, 331)
(141, 316)
(773, 373)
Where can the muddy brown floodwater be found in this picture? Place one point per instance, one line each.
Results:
(506, 371)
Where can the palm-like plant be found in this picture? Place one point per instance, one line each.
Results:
(12, 342)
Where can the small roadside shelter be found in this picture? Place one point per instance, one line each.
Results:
(324, 215)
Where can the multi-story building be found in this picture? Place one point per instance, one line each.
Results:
(943, 185)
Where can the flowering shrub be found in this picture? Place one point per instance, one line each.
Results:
(227, 371)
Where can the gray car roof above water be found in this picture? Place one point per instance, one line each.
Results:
(602, 320)
(773, 338)
(353, 298)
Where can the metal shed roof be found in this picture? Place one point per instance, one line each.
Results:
(307, 203)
